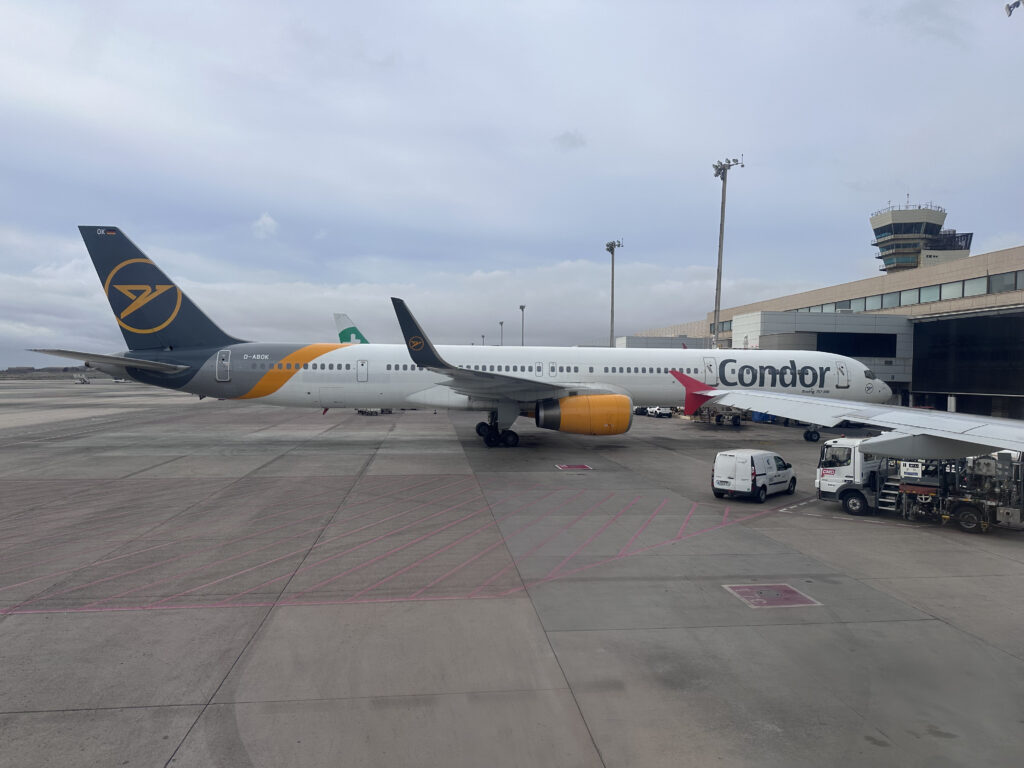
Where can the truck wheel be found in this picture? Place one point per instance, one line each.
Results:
(762, 494)
(718, 494)
(854, 503)
(735, 421)
(968, 518)
(718, 418)
(792, 486)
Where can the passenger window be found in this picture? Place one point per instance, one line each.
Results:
(575, 369)
(606, 369)
(288, 366)
(262, 366)
(348, 366)
(592, 369)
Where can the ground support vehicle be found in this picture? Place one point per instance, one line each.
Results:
(975, 493)
(659, 411)
(753, 473)
(720, 414)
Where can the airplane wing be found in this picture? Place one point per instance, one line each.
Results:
(915, 433)
(123, 362)
(481, 384)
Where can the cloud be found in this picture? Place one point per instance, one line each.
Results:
(264, 227)
(569, 140)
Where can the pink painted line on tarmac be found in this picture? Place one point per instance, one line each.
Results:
(643, 527)
(541, 544)
(146, 549)
(345, 552)
(496, 521)
(478, 555)
(423, 559)
(269, 562)
(306, 550)
(621, 556)
(593, 536)
(50, 595)
(686, 522)
(187, 573)
(390, 552)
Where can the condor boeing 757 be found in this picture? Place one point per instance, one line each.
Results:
(581, 390)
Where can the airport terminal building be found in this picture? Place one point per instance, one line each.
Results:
(943, 328)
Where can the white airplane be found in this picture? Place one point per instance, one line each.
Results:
(581, 390)
(915, 433)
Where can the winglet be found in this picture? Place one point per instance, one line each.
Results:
(420, 349)
(695, 392)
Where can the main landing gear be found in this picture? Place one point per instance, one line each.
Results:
(493, 436)
(812, 435)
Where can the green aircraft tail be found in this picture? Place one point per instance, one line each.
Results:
(347, 331)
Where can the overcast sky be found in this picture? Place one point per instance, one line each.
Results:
(283, 162)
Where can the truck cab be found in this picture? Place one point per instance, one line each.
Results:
(844, 472)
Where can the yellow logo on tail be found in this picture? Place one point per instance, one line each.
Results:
(140, 295)
(140, 292)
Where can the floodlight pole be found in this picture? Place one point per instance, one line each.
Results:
(501, 331)
(481, 340)
(610, 246)
(721, 172)
(522, 326)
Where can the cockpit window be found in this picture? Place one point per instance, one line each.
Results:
(869, 374)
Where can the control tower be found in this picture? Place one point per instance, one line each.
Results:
(910, 236)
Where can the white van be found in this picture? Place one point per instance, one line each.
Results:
(746, 472)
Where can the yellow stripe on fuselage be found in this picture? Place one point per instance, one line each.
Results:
(277, 377)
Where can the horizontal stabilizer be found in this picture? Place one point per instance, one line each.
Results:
(124, 362)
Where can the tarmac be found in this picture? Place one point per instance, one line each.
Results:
(203, 583)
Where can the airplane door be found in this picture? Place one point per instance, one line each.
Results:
(842, 375)
(540, 368)
(710, 371)
(224, 365)
(362, 371)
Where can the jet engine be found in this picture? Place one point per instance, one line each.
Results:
(586, 414)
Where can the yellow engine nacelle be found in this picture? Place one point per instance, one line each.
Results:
(586, 414)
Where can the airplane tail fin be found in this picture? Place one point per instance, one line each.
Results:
(347, 331)
(697, 392)
(151, 310)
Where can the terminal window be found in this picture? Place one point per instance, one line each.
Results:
(858, 344)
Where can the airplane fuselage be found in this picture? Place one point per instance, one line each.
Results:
(383, 375)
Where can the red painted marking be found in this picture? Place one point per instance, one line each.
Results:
(686, 522)
(593, 536)
(503, 540)
(205, 549)
(647, 522)
(770, 595)
(548, 539)
(390, 552)
(342, 554)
